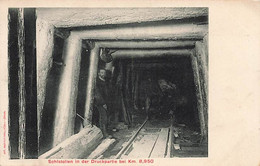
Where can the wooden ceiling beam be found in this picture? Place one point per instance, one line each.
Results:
(160, 32)
(145, 44)
(150, 53)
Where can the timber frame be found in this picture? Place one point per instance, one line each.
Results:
(158, 37)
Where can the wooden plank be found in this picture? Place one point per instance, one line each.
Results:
(77, 146)
(21, 79)
(160, 147)
(143, 147)
(198, 95)
(105, 144)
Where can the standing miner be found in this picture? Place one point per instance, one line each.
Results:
(101, 100)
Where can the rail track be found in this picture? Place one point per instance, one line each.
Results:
(158, 138)
(148, 141)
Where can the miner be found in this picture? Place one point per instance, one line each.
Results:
(101, 100)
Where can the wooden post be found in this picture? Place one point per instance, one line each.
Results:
(21, 79)
(201, 54)
(123, 91)
(199, 95)
(202, 62)
(93, 67)
(133, 84)
(67, 94)
(45, 46)
(136, 93)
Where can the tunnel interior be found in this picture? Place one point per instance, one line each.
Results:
(129, 80)
(136, 77)
(176, 70)
(159, 71)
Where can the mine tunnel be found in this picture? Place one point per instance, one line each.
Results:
(133, 75)
(156, 69)
(156, 88)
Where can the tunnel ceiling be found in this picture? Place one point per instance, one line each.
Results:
(78, 17)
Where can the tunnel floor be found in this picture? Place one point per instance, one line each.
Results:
(156, 132)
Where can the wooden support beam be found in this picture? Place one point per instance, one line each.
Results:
(21, 86)
(202, 62)
(30, 82)
(93, 67)
(199, 96)
(104, 145)
(125, 110)
(127, 94)
(146, 44)
(136, 92)
(201, 54)
(44, 61)
(151, 53)
(167, 31)
(22, 115)
(77, 146)
(133, 79)
(67, 94)
(9, 86)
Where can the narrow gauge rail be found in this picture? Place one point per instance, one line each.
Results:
(148, 141)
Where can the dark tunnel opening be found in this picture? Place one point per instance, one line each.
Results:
(177, 71)
(132, 80)
(129, 85)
